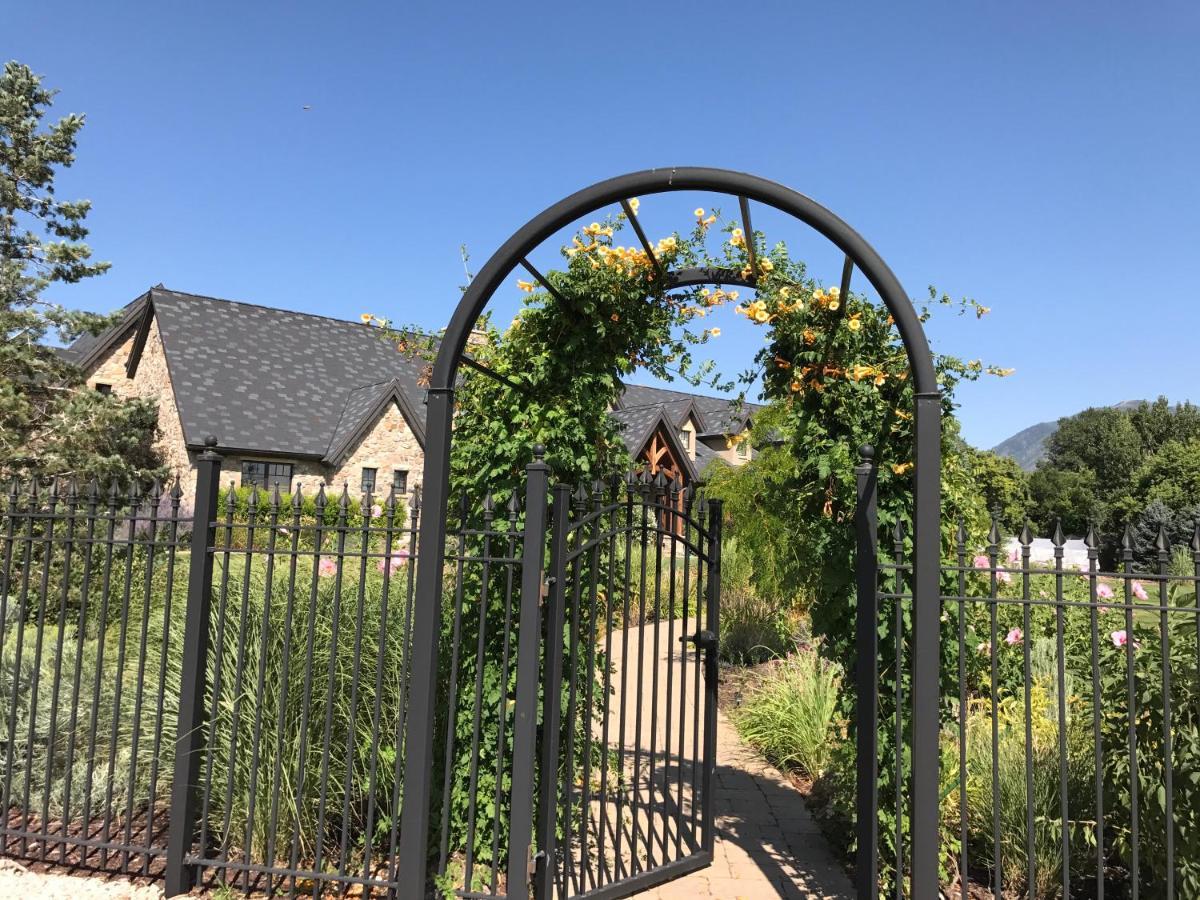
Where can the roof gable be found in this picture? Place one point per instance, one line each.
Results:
(364, 408)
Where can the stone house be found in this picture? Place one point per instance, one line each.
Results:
(296, 399)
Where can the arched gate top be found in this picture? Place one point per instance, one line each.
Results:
(667, 180)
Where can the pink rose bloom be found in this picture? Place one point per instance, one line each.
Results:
(376, 511)
(1104, 592)
(1139, 591)
(327, 566)
(394, 562)
(1004, 577)
(1119, 638)
(1015, 636)
(981, 562)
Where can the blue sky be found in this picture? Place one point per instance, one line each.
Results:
(1040, 157)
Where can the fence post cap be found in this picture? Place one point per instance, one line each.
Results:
(866, 453)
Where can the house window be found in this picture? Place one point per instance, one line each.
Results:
(400, 481)
(368, 480)
(104, 389)
(685, 438)
(743, 450)
(266, 474)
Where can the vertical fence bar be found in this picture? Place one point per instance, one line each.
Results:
(866, 568)
(711, 642)
(537, 475)
(185, 790)
(547, 815)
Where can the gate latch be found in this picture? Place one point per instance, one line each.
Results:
(704, 640)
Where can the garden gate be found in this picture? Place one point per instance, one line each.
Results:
(585, 871)
(629, 739)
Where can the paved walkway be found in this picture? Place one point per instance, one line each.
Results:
(767, 843)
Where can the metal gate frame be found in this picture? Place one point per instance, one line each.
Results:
(707, 552)
(418, 763)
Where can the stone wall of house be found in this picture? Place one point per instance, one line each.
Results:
(388, 446)
(152, 381)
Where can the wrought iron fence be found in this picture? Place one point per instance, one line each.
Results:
(212, 694)
(90, 598)
(306, 675)
(1069, 731)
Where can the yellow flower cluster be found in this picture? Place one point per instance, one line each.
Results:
(765, 266)
(855, 322)
(596, 230)
(902, 468)
(737, 238)
(828, 299)
(756, 312)
(700, 218)
(874, 373)
(526, 286)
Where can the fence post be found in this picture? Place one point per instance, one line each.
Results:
(866, 672)
(537, 477)
(555, 621)
(926, 645)
(185, 789)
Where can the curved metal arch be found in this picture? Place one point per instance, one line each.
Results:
(439, 427)
(661, 181)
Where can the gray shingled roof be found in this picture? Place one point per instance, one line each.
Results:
(715, 415)
(276, 381)
(272, 380)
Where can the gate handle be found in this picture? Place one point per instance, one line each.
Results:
(704, 640)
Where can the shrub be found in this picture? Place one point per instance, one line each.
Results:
(753, 628)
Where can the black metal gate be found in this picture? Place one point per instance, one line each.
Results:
(628, 733)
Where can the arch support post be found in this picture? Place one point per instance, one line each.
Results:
(423, 656)
(866, 675)
(926, 649)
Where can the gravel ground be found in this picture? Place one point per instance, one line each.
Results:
(19, 883)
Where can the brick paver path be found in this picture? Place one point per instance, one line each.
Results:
(767, 844)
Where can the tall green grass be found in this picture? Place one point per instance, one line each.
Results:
(791, 717)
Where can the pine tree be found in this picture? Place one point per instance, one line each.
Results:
(49, 424)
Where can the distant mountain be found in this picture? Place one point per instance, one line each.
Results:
(1027, 447)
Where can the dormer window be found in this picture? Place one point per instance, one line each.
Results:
(685, 438)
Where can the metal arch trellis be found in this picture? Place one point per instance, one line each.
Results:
(927, 487)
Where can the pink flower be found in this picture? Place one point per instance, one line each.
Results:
(327, 566)
(1104, 609)
(981, 562)
(1139, 591)
(1004, 577)
(394, 562)
(1119, 638)
(376, 511)
(1015, 636)
(1104, 592)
